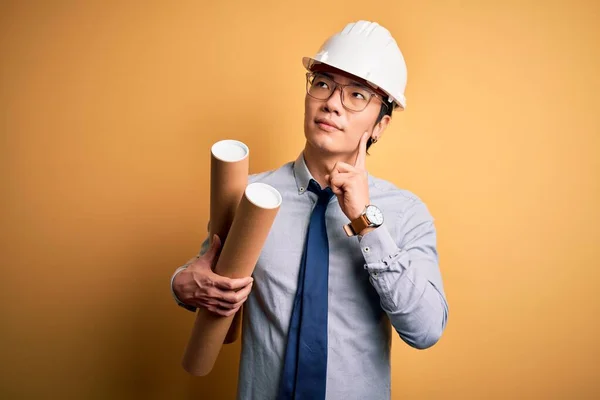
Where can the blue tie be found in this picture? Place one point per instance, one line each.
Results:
(305, 370)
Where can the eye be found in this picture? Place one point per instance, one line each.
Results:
(359, 93)
(321, 84)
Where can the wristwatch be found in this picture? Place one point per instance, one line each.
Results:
(370, 217)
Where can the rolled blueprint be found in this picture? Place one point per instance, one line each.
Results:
(253, 221)
(228, 180)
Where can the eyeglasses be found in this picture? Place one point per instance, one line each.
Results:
(354, 97)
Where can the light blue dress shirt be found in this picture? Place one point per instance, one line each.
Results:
(387, 279)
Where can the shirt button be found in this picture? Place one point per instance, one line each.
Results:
(366, 249)
(302, 188)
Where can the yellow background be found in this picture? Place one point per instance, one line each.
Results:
(107, 113)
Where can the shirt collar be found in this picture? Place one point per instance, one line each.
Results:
(302, 174)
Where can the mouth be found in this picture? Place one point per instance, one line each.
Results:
(327, 125)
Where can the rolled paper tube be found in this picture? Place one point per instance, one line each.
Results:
(236, 327)
(228, 180)
(253, 221)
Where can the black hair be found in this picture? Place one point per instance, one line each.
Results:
(386, 109)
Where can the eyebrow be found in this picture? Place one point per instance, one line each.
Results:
(354, 83)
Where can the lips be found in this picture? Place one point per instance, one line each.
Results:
(328, 123)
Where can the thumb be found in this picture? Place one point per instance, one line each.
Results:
(214, 248)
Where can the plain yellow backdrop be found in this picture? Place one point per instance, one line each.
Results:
(108, 111)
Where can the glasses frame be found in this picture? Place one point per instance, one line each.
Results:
(336, 85)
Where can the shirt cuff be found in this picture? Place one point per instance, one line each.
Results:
(179, 302)
(378, 248)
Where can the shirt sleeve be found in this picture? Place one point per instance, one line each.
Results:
(203, 249)
(406, 275)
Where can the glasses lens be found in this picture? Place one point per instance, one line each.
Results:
(319, 86)
(356, 98)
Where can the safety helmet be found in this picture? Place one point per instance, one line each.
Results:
(367, 50)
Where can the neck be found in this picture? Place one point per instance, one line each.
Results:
(320, 163)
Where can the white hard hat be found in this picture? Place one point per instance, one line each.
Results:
(366, 50)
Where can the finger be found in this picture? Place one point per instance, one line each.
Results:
(214, 310)
(224, 283)
(226, 306)
(339, 182)
(208, 304)
(229, 296)
(334, 173)
(337, 191)
(328, 177)
(224, 296)
(362, 151)
(215, 245)
(328, 180)
(227, 313)
(245, 292)
(222, 304)
(237, 305)
(222, 312)
(341, 166)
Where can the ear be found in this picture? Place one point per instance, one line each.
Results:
(380, 127)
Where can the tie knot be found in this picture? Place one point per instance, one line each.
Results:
(324, 194)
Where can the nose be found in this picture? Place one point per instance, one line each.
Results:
(334, 102)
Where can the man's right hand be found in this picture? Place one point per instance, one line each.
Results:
(199, 286)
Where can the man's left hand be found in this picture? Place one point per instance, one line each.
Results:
(350, 183)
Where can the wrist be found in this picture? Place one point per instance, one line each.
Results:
(356, 213)
(178, 283)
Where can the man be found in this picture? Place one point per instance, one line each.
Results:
(349, 255)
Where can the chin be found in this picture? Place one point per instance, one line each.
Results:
(323, 141)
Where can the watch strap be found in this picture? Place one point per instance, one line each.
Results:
(356, 226)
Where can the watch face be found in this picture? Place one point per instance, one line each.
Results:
(374, 215)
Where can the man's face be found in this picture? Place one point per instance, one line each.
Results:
(330, 127)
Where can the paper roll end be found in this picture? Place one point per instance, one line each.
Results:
(194, 371)
(263, 195)
(230, 150)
